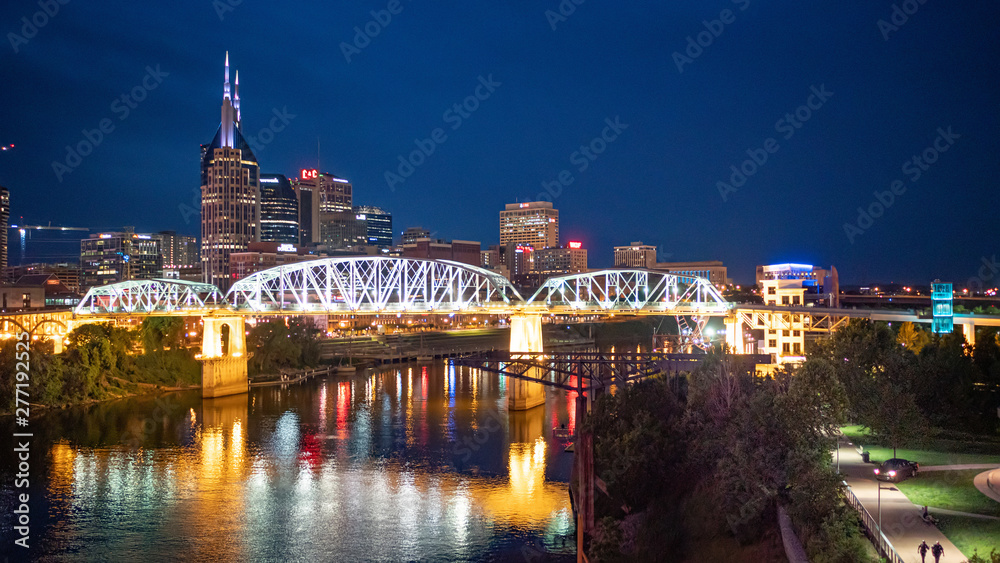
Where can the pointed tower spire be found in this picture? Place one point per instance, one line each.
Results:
(226, 87)
(236, 98)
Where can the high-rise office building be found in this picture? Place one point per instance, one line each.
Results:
(319, 192)
(179, 251)
(279, 210)
(635, 255)
(342, 229)
(4, 222)
(112, 257)
(569, 259)
(534, 223)
(230, 192)
(378, 222)
(412, 234)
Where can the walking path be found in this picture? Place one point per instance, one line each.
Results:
(960, 467)
(901, 521)
(988, 483)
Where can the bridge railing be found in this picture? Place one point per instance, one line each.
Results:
(881, 543)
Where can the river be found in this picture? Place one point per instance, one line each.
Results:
(416, 462)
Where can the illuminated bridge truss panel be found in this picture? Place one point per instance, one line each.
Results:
(373, 284)
(776, 320)
(150, 297)
(632, 290)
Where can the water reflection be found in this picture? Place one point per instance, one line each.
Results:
(421, 462)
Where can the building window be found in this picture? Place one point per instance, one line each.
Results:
(784, 300)
(772, 332)
(772, 343)
(795, 299)
(785, 333)
(785, 348)
(26, 300)
(796, 333)
(771, 302)
(771, 290)
(795, 318)
(797, 348)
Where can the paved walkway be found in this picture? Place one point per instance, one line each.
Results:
(901, 521)
(959, 467)
(988, 483)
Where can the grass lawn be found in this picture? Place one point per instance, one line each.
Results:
(934, 452)
(970, 534)
(949, 489)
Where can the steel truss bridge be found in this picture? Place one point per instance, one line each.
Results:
(386, 285)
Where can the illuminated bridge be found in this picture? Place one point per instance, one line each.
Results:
(388, 285)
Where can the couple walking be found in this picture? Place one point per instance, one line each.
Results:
(937, 551)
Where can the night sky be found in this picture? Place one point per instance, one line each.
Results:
(552, 91)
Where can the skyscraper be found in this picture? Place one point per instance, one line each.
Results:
(379, 222)
(279, 210)
(230, 192)
(534, 223)
(320, 193)
(4, 221)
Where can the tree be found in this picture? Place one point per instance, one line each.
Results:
(912, 338)
(158, 333)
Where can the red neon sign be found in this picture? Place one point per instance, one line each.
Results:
(574, 244)
(309, 174)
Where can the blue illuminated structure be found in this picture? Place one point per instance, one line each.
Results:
(941, 299)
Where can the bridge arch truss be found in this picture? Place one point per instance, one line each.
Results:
(631, 290)
(374, 284)
(161, 296)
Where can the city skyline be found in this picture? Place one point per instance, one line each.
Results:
(669, 174)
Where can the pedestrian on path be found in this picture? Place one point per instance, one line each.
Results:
(922, 549)
(937, 551)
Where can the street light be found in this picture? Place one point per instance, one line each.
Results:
(879, 483)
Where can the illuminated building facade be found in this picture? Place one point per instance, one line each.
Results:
(712, 270)
(264, 255)
(119, 256)
(179, 251)
(318, 193)
(942, 300)
(568, 259)
(230, 192)
(534, 224)
(412, 234)
(378, 223)
(779, 284)
(464, 251)
(279, 210)
(635, 255)
(4, 222)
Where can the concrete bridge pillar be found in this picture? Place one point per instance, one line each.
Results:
(525, 338)
(223, 357)
(969, 330)
(734, 333)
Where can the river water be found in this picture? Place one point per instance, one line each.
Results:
(417, 462)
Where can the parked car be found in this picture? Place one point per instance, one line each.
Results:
(896, 469)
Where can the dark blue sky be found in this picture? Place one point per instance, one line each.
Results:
(657, 182)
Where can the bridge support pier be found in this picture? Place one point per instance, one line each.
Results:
(525, 338)
(734, 334)
(223, 357)
(969, 330)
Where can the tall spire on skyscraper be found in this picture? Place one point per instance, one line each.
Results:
(236, 98)
(230, 119)
(225, 94)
